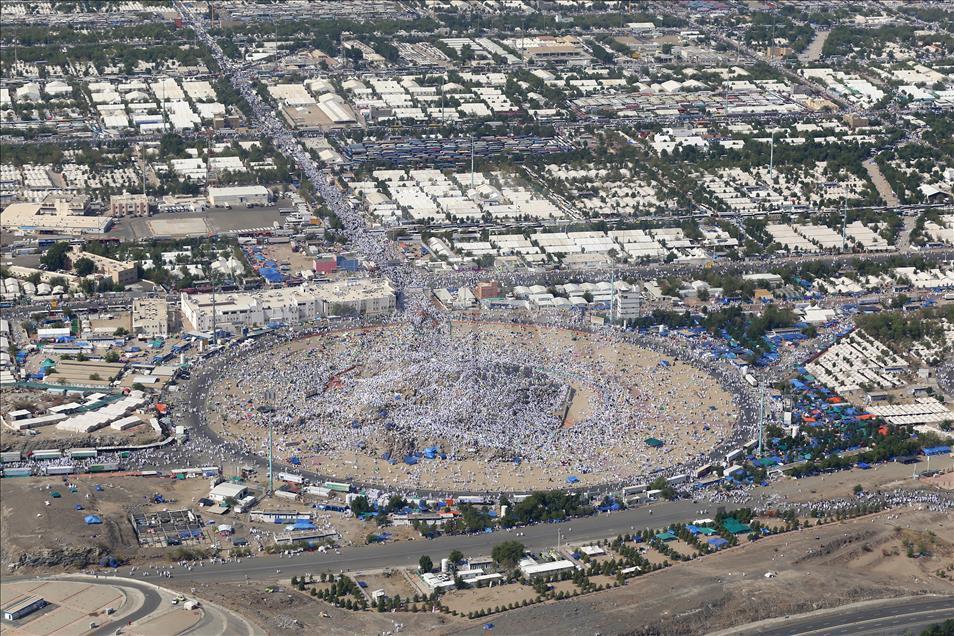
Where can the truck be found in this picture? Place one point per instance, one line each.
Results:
(635, 489)
(291, 478)
(60, 470)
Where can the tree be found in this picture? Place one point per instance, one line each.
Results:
(425, 563)
(121, 331)
(666, 490)
(55, 256)
(84, 267)
(456, 556)
(360, 505)
(508, 553)
(111, 356)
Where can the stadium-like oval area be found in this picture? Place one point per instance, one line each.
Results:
(471, 406)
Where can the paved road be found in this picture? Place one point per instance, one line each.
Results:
(151, 602)
(400, 554)
(896, 616)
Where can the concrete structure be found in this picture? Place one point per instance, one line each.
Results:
(628, 304)
(227, 490)
(238, 196)
(488, 289)
(530, 568)
(121, 272)
(292, 305)
(127, 204)
(57, 217)
(150, 317)
(19, 609)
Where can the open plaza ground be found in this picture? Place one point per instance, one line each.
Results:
(504, 406)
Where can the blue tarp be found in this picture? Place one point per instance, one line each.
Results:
(717, 542)
(572, 479)
(410, 460)
(92, 519)
(271, 275)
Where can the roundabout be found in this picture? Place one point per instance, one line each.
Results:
(471, 406)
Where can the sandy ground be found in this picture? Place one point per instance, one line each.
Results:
(694, 414)
(841, 484)
(28, 525)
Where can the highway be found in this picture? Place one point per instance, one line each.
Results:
(402, 554)
(881, 618)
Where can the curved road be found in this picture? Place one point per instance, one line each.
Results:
(152, 600)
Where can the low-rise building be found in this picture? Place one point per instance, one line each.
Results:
(57, 217)
(127, 204)
(121, 272)
(18, 609)
(289, 305)
(530, 568)
(628, 304)
(150, 317)
(227, 490)
(238, 196)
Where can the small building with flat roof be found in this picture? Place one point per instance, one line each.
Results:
(24, 607)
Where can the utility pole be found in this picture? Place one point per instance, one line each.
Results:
(613, 297)
(844, 223)
(761, 416)
(471, 161)
(772, 154)
(270, 397)
(142, 159)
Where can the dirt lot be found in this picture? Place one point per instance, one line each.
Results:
(56, 536)
(487, 598)
(841, 484)
(392, 582)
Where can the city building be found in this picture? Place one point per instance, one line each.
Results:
(488, 289)
(150, 317)
(237, 196)
(288, 305)
(628, 304)
(57, 217)
(127, 204)
(121, 272)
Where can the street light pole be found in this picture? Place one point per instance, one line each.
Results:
(270, 397)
